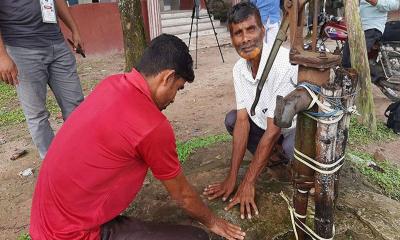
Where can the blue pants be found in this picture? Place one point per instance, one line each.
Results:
(256, 133)
(52, 66)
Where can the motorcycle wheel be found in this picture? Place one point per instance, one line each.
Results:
(390, 92)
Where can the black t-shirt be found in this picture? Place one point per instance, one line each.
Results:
(21, 25)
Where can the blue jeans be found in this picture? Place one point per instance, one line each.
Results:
(54, 66)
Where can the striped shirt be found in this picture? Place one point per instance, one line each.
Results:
(281, 81)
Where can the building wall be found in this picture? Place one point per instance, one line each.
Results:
(99, 25)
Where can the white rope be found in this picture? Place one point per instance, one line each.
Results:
(331, 121)
(312, 94)
(302, 191)
(301, 225)
(322, 165)
(323, 107)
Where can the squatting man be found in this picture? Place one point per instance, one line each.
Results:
(257, 133)
(99, 159)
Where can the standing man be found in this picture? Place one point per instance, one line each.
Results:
(100, 157)
(257, 133)
(270, 12)
(34, 55)
(373, 15)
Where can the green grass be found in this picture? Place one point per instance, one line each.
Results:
(10, 110)
(24, 236)
(186, 148)
(361, 135)
(388, 179)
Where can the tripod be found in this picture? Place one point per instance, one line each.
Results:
(195, 14)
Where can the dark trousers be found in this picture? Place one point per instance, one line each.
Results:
(256, 133)
(126, 228)
(371, 37)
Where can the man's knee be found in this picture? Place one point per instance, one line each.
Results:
(230, 120)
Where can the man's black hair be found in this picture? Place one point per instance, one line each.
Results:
(241, 11)
(167, 52)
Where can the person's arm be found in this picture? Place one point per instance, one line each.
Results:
(188, 199)
(372, 2)
(246, 191)
(8, 69)
(240, 139)
(66, 17)
(385, 5)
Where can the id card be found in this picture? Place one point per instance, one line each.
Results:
(48, 11)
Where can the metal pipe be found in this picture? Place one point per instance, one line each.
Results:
(287, 107)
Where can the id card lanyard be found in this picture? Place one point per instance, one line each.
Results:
(48, 11)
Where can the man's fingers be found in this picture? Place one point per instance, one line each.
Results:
(253, 204)
(242, 205)
(235, 227)
(14, 78)
(7, 78)
(208, 191)
(215, 195)
(226, 195)
(248, 210)
(214, 185)
(212, 188)
(236, 232)
(231, 204)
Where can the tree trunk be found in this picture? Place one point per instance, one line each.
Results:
(359, 61)
(133, 31)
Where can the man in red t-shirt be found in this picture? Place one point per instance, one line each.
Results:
(98, 161)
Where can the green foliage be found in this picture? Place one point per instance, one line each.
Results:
(24, 236)
(186, 148)
(7, 92)
(387, 177)
(219, 9)
(361, 135)
(11, 112)
(11, 116)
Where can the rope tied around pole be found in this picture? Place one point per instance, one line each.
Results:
(295, 216)
(331, 111)
(317, 166)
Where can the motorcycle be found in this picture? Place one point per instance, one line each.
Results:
(384, 57)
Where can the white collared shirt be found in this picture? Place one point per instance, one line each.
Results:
(281, 81)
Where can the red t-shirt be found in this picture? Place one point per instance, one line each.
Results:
(98, 160)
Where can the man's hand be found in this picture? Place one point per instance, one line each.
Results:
(183, 193)
(77, 41)
(8, 70)
(226, 229)
(245, 197)
(223, 189)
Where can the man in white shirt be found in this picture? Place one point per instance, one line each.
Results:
(257, 133)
